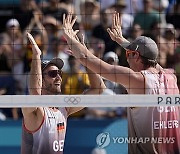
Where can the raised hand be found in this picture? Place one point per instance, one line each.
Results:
(35, 48)
(116, 32)
(69, 33)
(68, 23)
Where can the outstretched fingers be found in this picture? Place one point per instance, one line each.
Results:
(68, 17)
(83, 40)
(75, 35)
(69, 21)
(111, 33)
(119, 17)
(114, 21)
(117, 20)
(73, 21)
(64, 19)
(77, 38)
(75, 32)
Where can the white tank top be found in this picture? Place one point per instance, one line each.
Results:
(49, 138)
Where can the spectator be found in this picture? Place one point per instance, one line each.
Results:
(68, 5)
(135, 32)
(112, 58)
(14, 34)
(161, 6)
(100, 31)
(156, 34)
(24, 13)
(51, 25)
(75, 81)
(40, 34)
(90, 15)
(98, 47)
(177, 64)
(173, 14)
(127, 19)
(54, 9)
(7, 82)
(171, 42)
(147, 17)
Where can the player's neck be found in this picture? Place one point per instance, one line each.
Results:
(48, 92)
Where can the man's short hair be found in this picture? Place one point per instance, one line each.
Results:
(147, 62)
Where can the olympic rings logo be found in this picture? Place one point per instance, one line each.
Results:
(72, 100)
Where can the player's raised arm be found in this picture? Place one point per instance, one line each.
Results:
(116, 33)
(125, 76)
(35, 79)
(35, 76)
(97, 85)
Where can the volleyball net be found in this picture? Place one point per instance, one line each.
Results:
(89, 100)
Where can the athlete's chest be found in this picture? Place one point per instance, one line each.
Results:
(55, 122)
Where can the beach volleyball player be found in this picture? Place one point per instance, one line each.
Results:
(144, 76)
(44, 128)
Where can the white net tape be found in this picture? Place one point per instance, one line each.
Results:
(89, 100)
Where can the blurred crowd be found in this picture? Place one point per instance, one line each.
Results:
(158, 19)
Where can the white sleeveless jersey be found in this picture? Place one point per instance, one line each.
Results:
(49, 138)
(157, 128)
